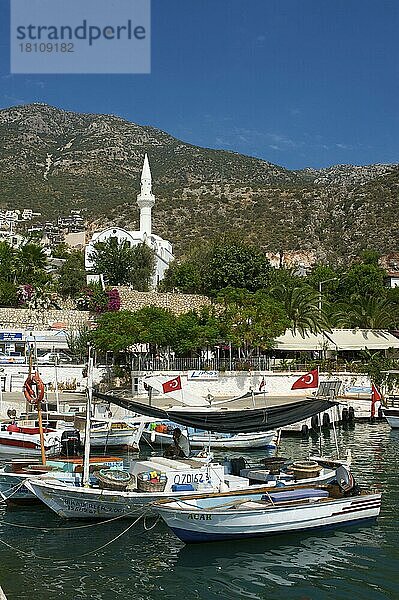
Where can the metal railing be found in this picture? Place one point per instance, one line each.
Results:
(256, 363)
(260, 363)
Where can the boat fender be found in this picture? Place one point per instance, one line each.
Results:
(344, 415)
(34, 389)
(152, 437)
(326, 420)
(315, 422)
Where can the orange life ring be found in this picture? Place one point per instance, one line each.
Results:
(34, 389)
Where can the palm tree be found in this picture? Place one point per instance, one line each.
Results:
(371, 312)
(30, 263)
(7, 262)
(302, 307)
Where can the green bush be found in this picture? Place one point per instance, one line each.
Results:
(8, 294)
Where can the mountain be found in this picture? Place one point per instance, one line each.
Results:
(53, 161)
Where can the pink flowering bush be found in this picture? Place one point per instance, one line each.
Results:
(114, 300)
(97, 300)
(24, 294)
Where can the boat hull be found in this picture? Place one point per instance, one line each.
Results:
(392, 416)
(16, 444)
(93, 503)
(114, 439)
(72, 503)
(199, 525)
(240, 441)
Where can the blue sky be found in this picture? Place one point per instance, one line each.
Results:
(301, 83)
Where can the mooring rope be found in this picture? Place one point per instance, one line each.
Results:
(89, 553)
(86, 526)
(14, 491)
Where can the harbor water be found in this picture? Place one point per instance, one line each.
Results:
(148, 564)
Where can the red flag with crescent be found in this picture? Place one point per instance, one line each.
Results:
(376, 396)
(310, 380)
(172, 385)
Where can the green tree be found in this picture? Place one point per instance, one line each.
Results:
(144, 267)
(72, 275)
(123, 265)
(77, 341)
(301, 305)
(195, 330)
(371, 313)
(235, 265)
(182, 277)
(7, 262)
(31, 262)
(62, 250)
(8, 294)
(118, 331)
(362, 280)
(251, 320)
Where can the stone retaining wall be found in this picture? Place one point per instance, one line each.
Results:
(130, 300)
(41, 319)
(177, 303)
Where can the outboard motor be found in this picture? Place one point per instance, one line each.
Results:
(346, 482)
(237, 465)
(70, 442)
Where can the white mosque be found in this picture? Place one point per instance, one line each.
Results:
(162, 248)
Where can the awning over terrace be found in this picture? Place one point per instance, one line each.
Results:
(337, 339)
(360, 339)
(296, 342)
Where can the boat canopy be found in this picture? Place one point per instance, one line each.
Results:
(228, 420)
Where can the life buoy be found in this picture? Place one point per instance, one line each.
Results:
(34, 389)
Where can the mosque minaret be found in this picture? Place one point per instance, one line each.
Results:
(146, 198)
(162, 248)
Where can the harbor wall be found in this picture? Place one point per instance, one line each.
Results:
(235, 383)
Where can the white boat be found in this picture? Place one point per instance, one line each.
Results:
(115, 434)
(13, 475)
(159, 433)
(224, 517)
(183, 478)
(23, 439)
(392, 416)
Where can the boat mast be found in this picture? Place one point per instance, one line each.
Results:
(39, 410)
(89, 394)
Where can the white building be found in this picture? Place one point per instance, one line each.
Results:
(161, 247)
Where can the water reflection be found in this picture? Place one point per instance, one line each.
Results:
(356, 562)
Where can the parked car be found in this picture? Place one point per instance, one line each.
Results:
(6, 359)
(51, 358)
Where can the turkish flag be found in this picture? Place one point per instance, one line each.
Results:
(310, 380)
(172, 385)
(376, 396)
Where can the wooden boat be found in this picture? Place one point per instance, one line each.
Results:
(391, 411)
(23, 439)
(392, 416)
(159, 433)
(114, 434)
(240, 515)
(182, 478)
(69, 470)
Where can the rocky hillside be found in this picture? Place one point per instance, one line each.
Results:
(53, 161)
